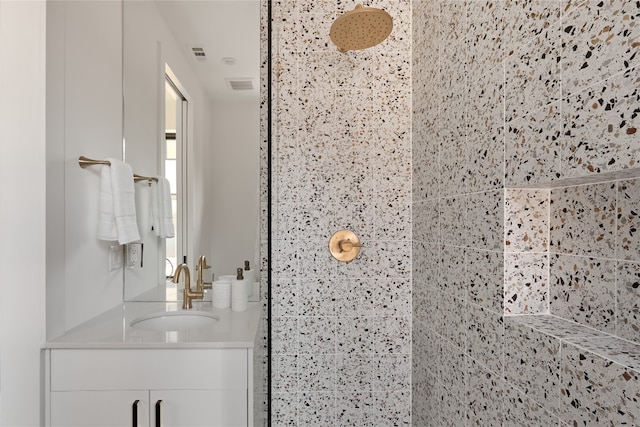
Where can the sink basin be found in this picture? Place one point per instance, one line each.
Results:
(168, 321)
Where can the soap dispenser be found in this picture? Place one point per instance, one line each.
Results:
(239, 296)
(250, 277)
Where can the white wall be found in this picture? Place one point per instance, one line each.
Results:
(84, 117)
(22, 209)
(234, 169)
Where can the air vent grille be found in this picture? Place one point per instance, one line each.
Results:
(240, 84)
(199, 53)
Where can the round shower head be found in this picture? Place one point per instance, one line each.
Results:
(360, 28)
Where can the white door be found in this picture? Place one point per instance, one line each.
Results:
(100, 408)
(199, 408)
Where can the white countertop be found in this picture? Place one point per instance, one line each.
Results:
(112, 329)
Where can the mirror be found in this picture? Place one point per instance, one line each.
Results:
(191, 77)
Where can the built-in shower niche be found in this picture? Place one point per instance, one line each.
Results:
(571, 306)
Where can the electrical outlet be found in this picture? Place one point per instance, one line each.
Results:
(116, 257)
(134, 255)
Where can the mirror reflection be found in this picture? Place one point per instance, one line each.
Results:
(191, 114)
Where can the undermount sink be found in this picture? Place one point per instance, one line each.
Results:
(168, 321)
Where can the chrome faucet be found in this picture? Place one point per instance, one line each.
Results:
(201, 285)
(188, 294)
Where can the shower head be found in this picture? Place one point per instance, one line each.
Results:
(360, 28)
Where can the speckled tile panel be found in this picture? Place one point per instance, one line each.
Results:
(451, 409)
(315, 259)
(583, 220)
(454, 374)
(317, 335)
(354, 372)
(392, 372)
(453, 275)
(392, 218)
(484, 37)
(349, 296)
(391, 70)
(317, 297)
(601, 125)
(318, 373)
(285, 377)
(425, 164)
(426, 220)
(285, 335)
(389, 259)
(485, 219)
(354, 409)
(485, 339)
(285, 301)
(392, 408)
(391, 297)
(425, 260)
(316, 408)
(526, 288)
(527, 20)
(353, 71)
(452, 54)
(628, 301)
(485, 279)
(285, 409)
(426, 348)
(424, 398)
(355, 335)
(392, 335)
(452, 134)
(628, 207)
(427, 302)
(316, 70)
(485, 132)
(583, 290)
(286, 261)
(453, 218)
(453, 317)
(597, 391)
(532, 147)
(484, 396)
(533, 75)
(453, 167)
(526, 220)
(600, 39)
(534, 361)
(520, 411)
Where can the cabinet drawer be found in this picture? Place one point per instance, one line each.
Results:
(141, 369)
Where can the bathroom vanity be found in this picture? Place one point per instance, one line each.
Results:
(108, 373)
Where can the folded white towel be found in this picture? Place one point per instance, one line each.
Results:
(119, 189)
(161, 210)
(106, 220)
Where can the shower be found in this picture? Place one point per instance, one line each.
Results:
(360, 28)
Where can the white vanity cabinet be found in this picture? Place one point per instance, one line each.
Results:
(150, 387)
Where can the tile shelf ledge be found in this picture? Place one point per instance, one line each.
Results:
(607, 346)
(630, 173)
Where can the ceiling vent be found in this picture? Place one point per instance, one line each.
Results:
(199, 53)
(240, 84)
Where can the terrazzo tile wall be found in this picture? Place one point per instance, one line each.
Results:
(525, 201)
(341, 338)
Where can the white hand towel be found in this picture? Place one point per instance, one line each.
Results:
(165, 208)
(106, 221)
(124, 201)
(154, 209)
(161, 210)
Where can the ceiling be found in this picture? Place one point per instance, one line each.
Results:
(224, 29)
